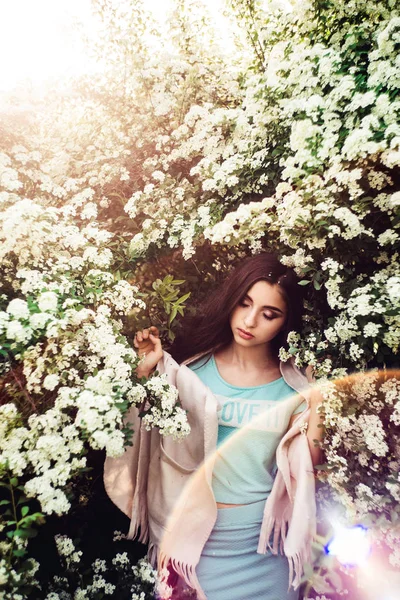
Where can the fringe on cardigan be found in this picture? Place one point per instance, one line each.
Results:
(157, 559)
(152, 552)
(139, 520)
(279, 528)
(296, 567)
(185, 570)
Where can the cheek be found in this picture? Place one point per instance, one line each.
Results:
(275, 326)
(235, 314)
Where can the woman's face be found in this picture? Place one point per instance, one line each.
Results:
(259, 316)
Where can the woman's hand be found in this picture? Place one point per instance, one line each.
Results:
(310, 374)
(149, 349)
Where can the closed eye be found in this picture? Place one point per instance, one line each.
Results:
(243, 303)
(269, 317)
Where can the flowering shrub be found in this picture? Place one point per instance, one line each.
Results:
(295, 150)
(119, 579)
(334, 216)
(183, 157)
(361, 483)
(362, 418)
(68, 373)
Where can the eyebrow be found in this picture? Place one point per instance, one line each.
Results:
(269, 307)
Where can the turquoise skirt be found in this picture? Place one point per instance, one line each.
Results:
(231, 569)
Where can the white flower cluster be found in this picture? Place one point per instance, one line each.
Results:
(144, 571)
(252, 218)
(158, 386)
(141, 578)
(48, 449)
(311, 354)
(374, 434)
(122, 297)
(297, 261)
(162, 409)
(66, 549)
(11, 579)
(118, 536)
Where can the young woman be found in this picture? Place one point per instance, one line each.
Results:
(232, 346)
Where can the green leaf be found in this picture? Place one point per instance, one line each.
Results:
(27, 532)
(321, 467)
(3, 502)
(170, 296)
(172, 315)
(24, 510)
(317, 285)
(183, 298)
(304, 282)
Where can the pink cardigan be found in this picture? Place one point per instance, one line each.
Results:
(164, 486)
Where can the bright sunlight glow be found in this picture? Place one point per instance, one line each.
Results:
(39, 40)
(350, 545)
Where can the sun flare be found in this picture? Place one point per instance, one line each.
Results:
(38, 40)
(41, 39)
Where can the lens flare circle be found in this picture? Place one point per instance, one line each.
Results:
(350, 545)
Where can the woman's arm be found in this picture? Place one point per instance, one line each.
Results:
(315, 429)
(314, 432)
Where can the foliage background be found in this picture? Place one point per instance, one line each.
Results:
(147, 181)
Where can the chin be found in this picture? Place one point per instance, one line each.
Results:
(242, 342)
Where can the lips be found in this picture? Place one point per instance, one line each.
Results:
(245, 334)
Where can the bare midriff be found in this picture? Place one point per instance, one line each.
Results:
(222, 505)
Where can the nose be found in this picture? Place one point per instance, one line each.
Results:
(250, 319)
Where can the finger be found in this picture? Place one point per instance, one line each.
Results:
(154, 330)
(145, 334)
(157, 349)
(156, 340)
(139, 336)
(135, 342)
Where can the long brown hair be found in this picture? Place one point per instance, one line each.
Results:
(210, 328)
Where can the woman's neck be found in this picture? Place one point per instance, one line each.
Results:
(259, 357)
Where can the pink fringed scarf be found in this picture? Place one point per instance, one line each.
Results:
(290, 509)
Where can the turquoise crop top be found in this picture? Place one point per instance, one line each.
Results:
(251, 423)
